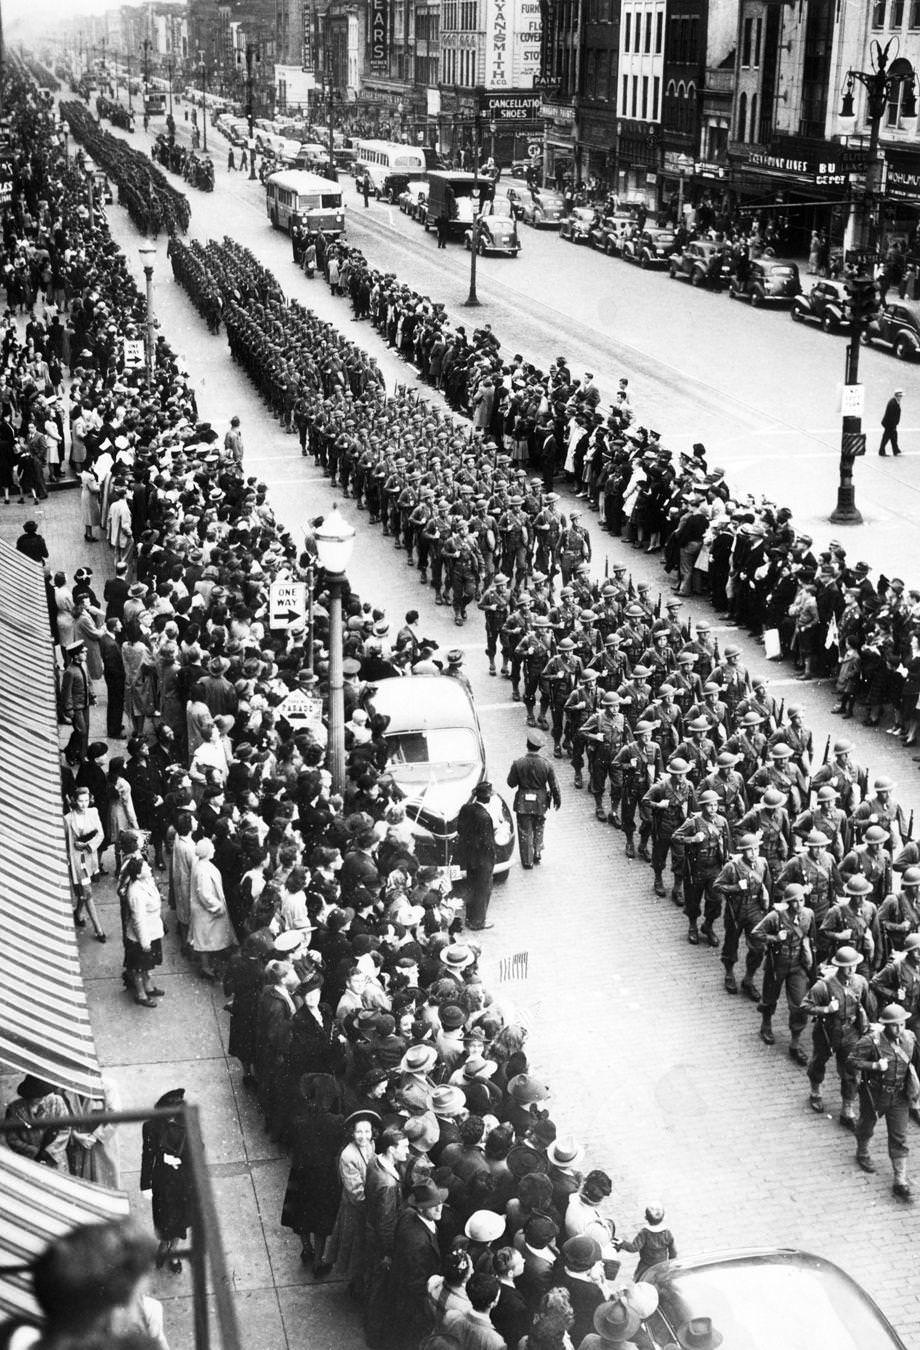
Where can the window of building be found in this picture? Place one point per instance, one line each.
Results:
(469, 16)
(656, 95)
(674, 37)
(591, 74)
(648, 32)
(914, 20)
(627, 28)
(635, 96)
(755, 130)
(758, 33)
(659, 31)
(878, 13)
(637, 43)
(896, 17)
(693, 44)
(748, 32)
(742, 117)
(644, 113)
(624, 96)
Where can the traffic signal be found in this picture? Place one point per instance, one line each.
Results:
(864, 300)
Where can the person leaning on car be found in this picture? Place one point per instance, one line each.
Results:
(535, 782)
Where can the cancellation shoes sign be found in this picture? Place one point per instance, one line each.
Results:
(380, 36)
(287, 604)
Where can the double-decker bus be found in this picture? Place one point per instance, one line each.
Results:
(315, 200)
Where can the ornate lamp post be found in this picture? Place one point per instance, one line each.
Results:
(148, 255)
(334, 542)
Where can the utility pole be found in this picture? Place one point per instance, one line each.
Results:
(253, 57)
(884, 84)
(204, 110)
(472, 301)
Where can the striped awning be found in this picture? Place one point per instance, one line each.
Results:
(44, 1021)
(37, 1205)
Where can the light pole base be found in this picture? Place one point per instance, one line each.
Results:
(845, 512)
(472, 302)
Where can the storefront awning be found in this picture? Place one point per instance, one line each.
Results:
(44, 1021)
(37, 1205)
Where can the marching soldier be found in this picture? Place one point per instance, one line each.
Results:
(670, 801)
(729, 787)
(533, 651)
(635, 768)
(706, 843)
(777, 774)
(788, 932)
(732, 677)
(749, 743)
(842, 774)
(558, 678)
(899, 980)
(899, 915)
(574, 546)
(744, 882)
(886, 1062)
(839, 1004)
(853, 921)
(698, 750)
(816, 871)
(881, 809)
(769, 820)
(604, 732)
(496, 606)
(581, 704)
(871, 860)
(826, 817)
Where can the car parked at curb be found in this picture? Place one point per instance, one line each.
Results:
(578, 224)
(826, 303)
(897, 325)
(649, 248)
(497, 234)
(693, 261)
(767, 281)
(436, 757)
(537, 207)
(412, 196)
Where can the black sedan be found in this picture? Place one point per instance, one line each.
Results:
(577, 225)
(826, 303)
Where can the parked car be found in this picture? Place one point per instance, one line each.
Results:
(649, 248)
(764, 1299)
(413, 201)
(897, 326)
(497, 234)
(826, 303)
(692, 263)
(606, 234)
(769, 281)
(540, 208)
(437, 756)
(578, 224)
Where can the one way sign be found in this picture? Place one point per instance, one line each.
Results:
(287, 604)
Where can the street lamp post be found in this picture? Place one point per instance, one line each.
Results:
(130, 95)
(334, 542)
(253, 55)
(169, 71)
(148, 254)
(204, 109)
(472, 301)
(883, 84)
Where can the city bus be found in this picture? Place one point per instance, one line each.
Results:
(154, 102)
(389, 165)
(315, 200)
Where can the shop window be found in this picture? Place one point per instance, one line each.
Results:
(878, 13)
(747, 38)
(742, 116)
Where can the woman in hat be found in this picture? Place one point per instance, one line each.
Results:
(311, 1200)
(36, 1106)
(139, 675)
(210, 931)
(244, 978)
(346, 1245)
(90, 503)
(447, 1292)
(553, 1325)
(87, 631)
(142, 908)
(85, 836)
(166, 1175)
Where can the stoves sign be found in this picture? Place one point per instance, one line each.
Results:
(380, 36)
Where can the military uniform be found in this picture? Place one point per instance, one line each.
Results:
(841, 1015)
(789, 940)
(535, 786)
(670, 802)
(745, 885)
(886, 1062)
(706, 842)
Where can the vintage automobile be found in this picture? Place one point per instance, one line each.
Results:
(826, 303)
(497, 234)
(692, 263)
(649, 248)
(540, 208)
(413, 194)
(605, 235)
(897, 325)
(764, 1299)
(437, 756)
(577, 225)
(769, 281)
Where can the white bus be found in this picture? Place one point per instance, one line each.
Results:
(315, 200)
(389, 165)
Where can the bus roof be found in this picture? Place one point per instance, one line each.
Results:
(300, 181)
(455, 176)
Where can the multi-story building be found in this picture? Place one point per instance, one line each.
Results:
(640, 86)
(684, 78)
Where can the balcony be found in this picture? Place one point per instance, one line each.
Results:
(719, 80)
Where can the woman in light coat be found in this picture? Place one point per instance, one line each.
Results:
(210, 933)
(84, 838)
(122, 815)
(90, 504)
(346, 1246)
(181, 867)
(144, 931)
(63, 603)
(87, 631)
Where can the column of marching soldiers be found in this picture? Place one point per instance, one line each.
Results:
(674, 740)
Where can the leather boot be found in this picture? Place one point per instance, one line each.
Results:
(630, 847)
(816, 1101)
(693, 934)
(579, 779)
(847, 1117)
(766, 1030)
(709, 935)
(863, 1159)
(599, 811)
(659, 884)
(796, 1052)
(901, 1183)
(750, 988)
(731, 984)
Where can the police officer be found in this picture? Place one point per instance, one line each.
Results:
(839, 1004)
(534, 781)
(706, 842)
(788, 932)
(886, 1062)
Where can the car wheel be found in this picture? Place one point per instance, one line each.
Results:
(672, 273)
(467, 244)
(904, 349)
(643, 261)
(481, 249)
(756, 299)
(865, 339)
(796, 314)
(499, 878)
(828, 322)
(696, 278)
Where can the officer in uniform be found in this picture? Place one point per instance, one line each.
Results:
(788, 932)
(534, 781)
(744, 882)
(670, 802)
(706, 841)
(839, 1004)
(886, 1062)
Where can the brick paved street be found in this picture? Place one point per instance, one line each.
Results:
(651, 1064)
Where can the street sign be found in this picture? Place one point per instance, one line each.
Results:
(287, 604)
(301, 707)
(134, 353)
(535, 149)
(852, 400)
(6, 183)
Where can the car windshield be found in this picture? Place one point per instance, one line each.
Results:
(782, 271)
(765, 1305)
(662, 237)
(439, 752)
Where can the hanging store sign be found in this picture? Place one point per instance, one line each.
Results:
(306, 45)
(380, 36)
(497, 62)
